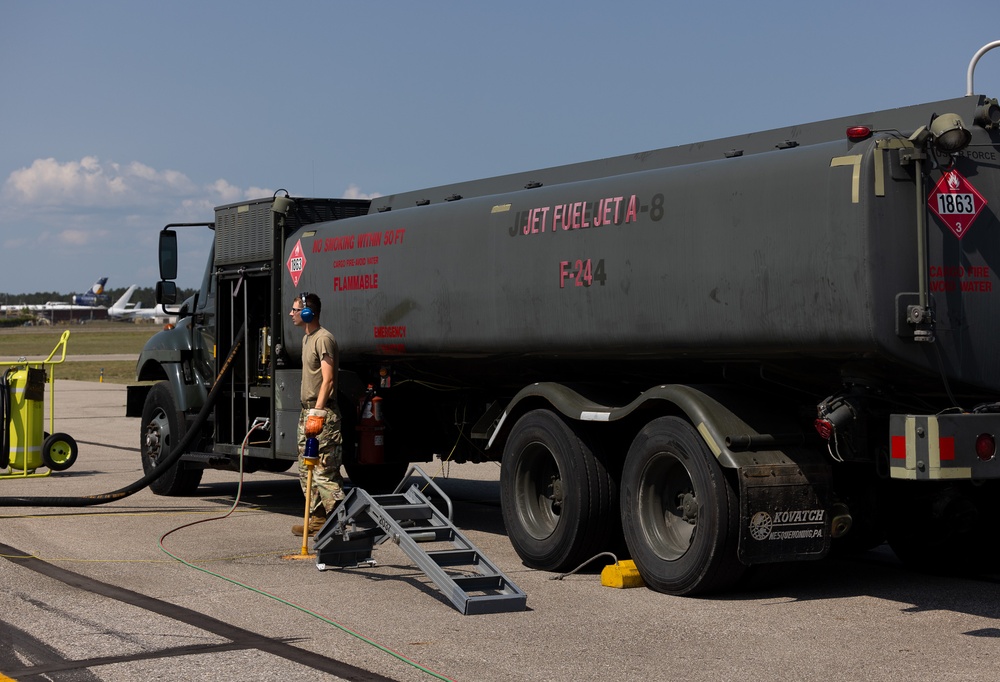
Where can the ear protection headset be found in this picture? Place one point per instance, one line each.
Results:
(306, 313)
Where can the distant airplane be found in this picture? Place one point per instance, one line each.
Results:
(123, 310)
(49, 305)
(94, 296)
(120, 309)
(86, 301)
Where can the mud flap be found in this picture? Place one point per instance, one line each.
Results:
(135, 399)
(784, 513)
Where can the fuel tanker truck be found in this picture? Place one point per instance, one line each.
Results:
(715, 356)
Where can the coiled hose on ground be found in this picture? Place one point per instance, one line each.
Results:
(158, 470)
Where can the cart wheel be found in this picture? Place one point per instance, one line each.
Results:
(59, 452)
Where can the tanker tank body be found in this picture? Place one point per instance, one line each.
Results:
(761, 257)
(729, 354)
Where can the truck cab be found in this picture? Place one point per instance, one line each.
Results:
(231, 333)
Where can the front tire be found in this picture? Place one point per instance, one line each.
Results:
(559, 500)
(679, 513)
(163, 427)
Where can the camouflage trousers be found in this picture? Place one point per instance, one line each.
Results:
(327, 483)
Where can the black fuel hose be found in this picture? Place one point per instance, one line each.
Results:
(157, 471)
(5, 419)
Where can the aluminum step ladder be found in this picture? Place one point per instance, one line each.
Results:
(472, 583)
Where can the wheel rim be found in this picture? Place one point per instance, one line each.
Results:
(668, 506)
(157, 437)
(539, 491)
(60, 452)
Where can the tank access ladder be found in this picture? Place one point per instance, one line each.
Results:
(409, 519)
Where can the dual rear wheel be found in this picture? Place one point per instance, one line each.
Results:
(559, 499)
(563, 503)
(679, 511)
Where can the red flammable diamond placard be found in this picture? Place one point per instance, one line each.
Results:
(296, 263)
(956, 202)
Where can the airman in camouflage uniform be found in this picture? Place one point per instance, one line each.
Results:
(320, 416)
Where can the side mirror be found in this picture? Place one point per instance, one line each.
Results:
(166, 293)
(168, 255)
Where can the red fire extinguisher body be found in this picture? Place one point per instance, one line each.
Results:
(371, 430)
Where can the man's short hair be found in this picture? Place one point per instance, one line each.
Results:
(312, 302)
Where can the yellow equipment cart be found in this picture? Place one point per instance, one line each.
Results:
(24, 444)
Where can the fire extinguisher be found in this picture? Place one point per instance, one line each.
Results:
(371, 443)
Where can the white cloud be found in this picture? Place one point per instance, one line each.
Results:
(82, 237)
(225, 193)
(257, 193)
(104, 215)
(90, 213)
(354, 192)
(90, 182)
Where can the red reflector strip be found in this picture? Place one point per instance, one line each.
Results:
(898, 447)
(947, 448)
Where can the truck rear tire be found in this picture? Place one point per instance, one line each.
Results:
(679, 513)
(559, 500)
(162, 428)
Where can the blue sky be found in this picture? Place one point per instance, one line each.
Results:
(119, 117)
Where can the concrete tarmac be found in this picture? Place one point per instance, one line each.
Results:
(92, 594)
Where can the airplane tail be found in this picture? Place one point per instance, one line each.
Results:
(93, 296)
(120, 307)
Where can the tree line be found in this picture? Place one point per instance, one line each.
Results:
(144, 295)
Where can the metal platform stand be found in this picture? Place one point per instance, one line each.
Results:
(473, 584)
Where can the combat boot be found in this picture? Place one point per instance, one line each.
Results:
(315, 523)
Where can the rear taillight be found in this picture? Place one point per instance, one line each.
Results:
(824, 427)
(986, 447)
